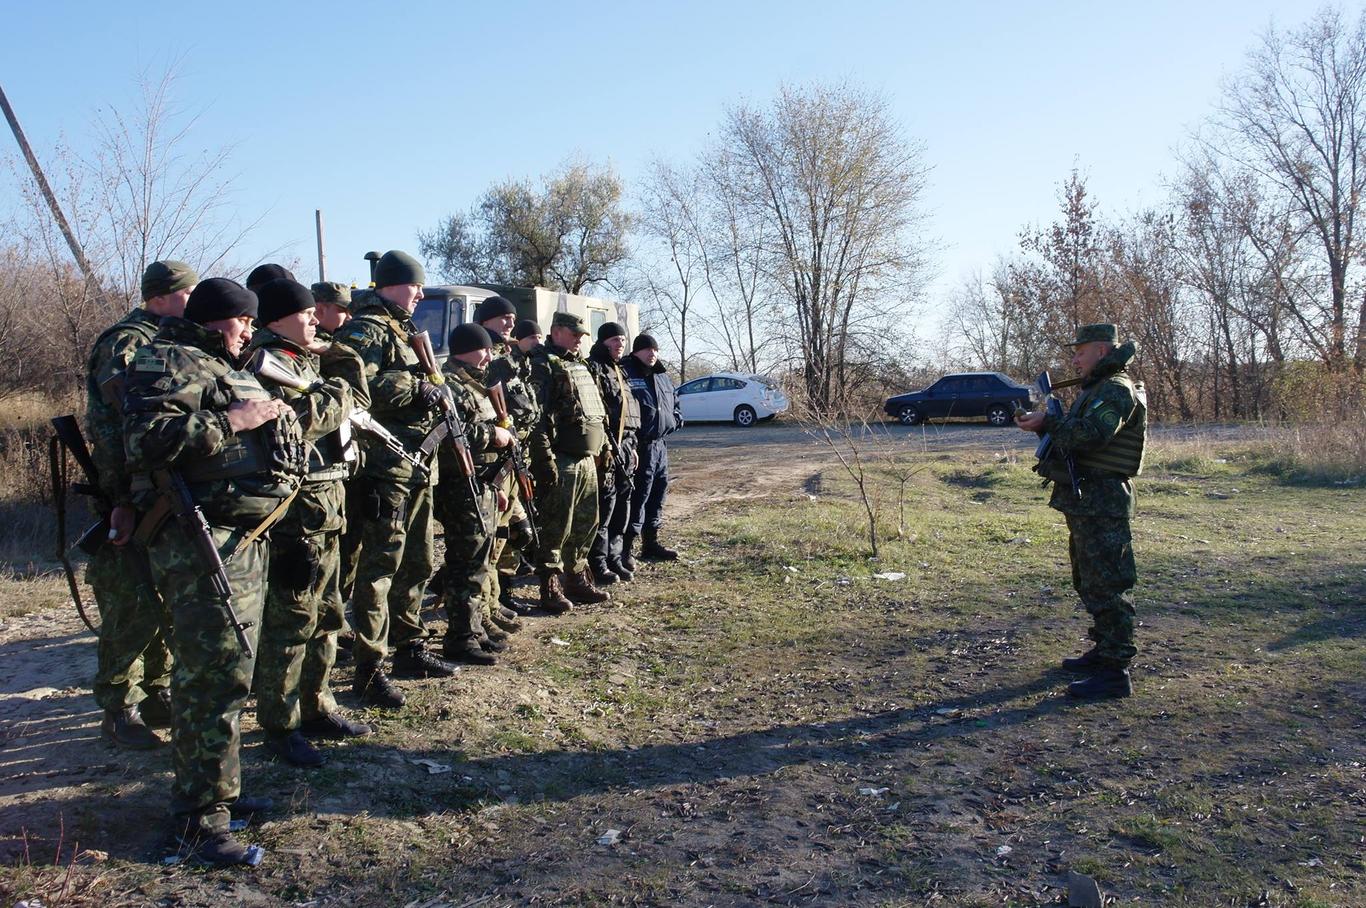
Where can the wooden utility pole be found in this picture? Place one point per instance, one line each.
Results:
(48, 195)
(322, 262)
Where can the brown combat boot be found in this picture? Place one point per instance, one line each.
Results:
(581, 591)
(552, 594)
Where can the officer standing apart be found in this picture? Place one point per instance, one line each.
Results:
(470, 519)
(564, 457)
(133, 676)
(191, 417)
(1104, 432)
(511, 369)
(304, 609)
(395, 497)
(617, 479)
(659, 418)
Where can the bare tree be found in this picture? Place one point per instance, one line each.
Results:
(567, 234)
(1296, 117)
(670, 221)
(838, 187)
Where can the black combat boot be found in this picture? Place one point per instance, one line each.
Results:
(627, 558)
(1085, 663)
(334, 725)
(125, 728)
(293, 748)
(651, 550)
(1105, 684)
(602, 574)
(156, 709)
(246, 807)
(552, 594)
(493, 644)
(579, 589)
(219, 850)
(517, 607)
(373, 686)
(467, 649)
(413, 661)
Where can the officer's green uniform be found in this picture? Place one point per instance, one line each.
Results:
(394, 498)
(564, 457)
(304, 610)
(512, 368)
(180, 387)
(1104, 430)
(468, 523)
(133, 659)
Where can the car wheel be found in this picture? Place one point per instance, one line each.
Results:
(999, 415)
(745, 416)
(910, 416)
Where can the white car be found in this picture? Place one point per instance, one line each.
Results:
(730, 397)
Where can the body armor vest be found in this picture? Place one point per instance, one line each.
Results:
(1124, 453)
(589, 435)
(278, 447)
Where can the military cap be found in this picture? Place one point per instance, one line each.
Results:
(1088, 333)
(219, 298)
(493, 307)
(468, 337)
(610, 329)
(267, 272)
(644, 342)
(396, 267)
(526, 328)
(331, 292)
(167, 276)
(282, 297)
(568, 320)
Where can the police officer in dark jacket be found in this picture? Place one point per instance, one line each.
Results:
(615, 477)
(659, 417)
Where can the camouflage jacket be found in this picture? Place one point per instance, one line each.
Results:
(176, 417)
(1110, 409)
(623, 410)
(379, 333)
(512, 367)
(111, 355)
(476, 411)
(572, 413)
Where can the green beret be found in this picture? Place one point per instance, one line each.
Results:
(395, 267)
(1088, 333)
(165, 277)
(568, 320)
(332, 292)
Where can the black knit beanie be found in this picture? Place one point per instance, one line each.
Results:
(526, 328)
(493, 307)
(282, 297)
(610, 329)
(642, 342)
(219, 298)
(396, 267)
(267, 272)
(468, 337)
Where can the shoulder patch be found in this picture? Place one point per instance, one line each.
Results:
(150, 362)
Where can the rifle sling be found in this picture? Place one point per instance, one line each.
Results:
(264, 525)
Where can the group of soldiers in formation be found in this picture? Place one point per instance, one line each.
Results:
(268, 452)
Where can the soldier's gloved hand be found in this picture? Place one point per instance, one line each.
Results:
(430, 394)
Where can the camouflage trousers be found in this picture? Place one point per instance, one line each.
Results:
(304, 612)
(510, 542)
(394, 566)
(1103, 574)
(133, 659)
(212, 675)
(569, 516)
(467, 569)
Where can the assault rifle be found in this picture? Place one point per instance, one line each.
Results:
(267, 365)
(1045, 387)
(517, 460)
(451, 429)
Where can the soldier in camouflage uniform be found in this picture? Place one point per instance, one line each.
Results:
(510, 368)
(614, 484)
(239, 451)
(469, 523)
(332, 304)
(395, 498)
(304, 609)
(133, 678)
(571, 441)
(1104, 432)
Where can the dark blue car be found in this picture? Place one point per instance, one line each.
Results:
(965, 394)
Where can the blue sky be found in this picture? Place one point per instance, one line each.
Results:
(389, 116)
